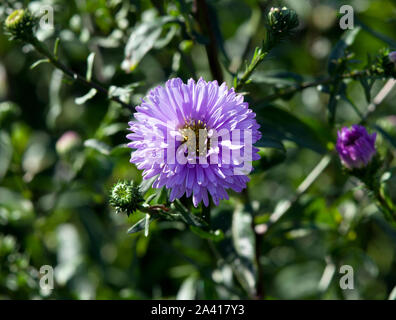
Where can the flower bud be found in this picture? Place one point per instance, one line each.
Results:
(125, 197)
(20, 24)
(69, 141)
(282, 20)
(355, 146)
(392, 57)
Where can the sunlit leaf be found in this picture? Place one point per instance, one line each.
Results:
(244, 242)
(338, 51)
(5, 153)
(216, 235)
(90, 64)
(143, 38)
(99, 146)
(91, 93)
(142, 224)
(188, 289)
(38, 62)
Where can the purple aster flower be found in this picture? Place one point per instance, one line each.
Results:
(392, 56)
(355, 146)
(196, 138)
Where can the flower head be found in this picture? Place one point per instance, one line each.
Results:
(20, 24)
(125, 197)
(196, 138)
(355, 146)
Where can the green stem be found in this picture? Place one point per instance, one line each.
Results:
(309, 84)
(259, 57)
(206, 27)
(381, 202)
(388, 211)
(75, 76)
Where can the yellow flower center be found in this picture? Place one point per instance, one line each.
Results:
(195, 135)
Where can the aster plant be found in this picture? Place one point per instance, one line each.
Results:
(196, 142)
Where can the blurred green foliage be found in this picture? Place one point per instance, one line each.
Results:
(54, 206)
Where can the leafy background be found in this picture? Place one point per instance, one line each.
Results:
(54, 205)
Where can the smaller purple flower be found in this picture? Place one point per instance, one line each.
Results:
(355, 146)
(392, 57)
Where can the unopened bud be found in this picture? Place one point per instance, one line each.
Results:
(20, 25)
(282, 20)
(126, 197)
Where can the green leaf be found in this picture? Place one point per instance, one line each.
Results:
(352, 104)
(124, 93)
(278, 124)
(121, 149)
(338, 51)
(144, 37)
(99, 146)
(38, 62)
(54, 96)
(146, 225)
(392, 295)
(216, 235)
(81, 100)
(90, 63)
(188, 289)
(5, 153)
(38, 156)
(56, 47)
(8, 110)
(384, 38)
(388, 136)
(113, 129)
(145, 185)
(188, 217)
(142, 224)
(14, 208)
(244, 243)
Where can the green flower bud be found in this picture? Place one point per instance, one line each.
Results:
(125, 197)
(20, 25)
(281, 21)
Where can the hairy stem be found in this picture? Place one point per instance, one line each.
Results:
(206, 27)
(250, 69)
